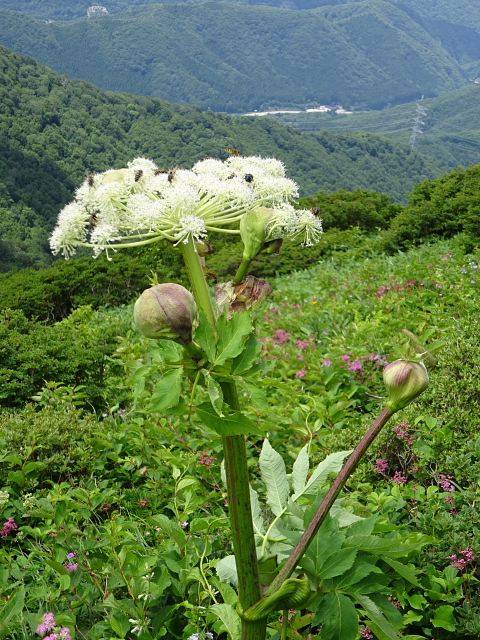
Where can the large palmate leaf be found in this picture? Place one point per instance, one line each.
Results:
(274, 475)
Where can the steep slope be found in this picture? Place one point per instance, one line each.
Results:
(228, 57)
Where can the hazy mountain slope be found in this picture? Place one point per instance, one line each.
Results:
(53, 130)
(450, 127)
(232, 57)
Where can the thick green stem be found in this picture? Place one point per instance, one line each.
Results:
(236, 468)
(324, 508)
(242, 271)
(197, 279)
(238, 487)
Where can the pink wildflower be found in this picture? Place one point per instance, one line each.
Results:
(366, 632)
(381, 465)
(8, 527)
(301, 373)
(281, 336)
(327, 363)
(445, 483)
(70, 567)
(398, 478)
(356, 366)
(47, 624)
(303, 344)
(346, 358)
(205, 460)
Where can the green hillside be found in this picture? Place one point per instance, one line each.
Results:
(232, 57)
(53, 130)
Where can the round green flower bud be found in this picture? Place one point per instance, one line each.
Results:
(253, 230)
(166, 311)
(405, 381)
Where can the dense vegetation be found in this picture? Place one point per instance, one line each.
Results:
(115, 489)
(367, 54)
(54, 130)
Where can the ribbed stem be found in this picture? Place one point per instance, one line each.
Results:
(197, 279)
(236, 468)
(238, 487)
(322, 512)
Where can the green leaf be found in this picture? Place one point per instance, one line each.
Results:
(232, 335)
(300, 470)
(444, 618)
(247, 357)
(327, 542)
(332, 464)
(170, 351)
(230, 619)
(120, 624)
(172, 529)
(403, 570)
(257, 396)
(233, 424)
(256, 511)
(338, 617)
(167, 391)
(274, 475)
(205, 337)
(215, 393)
(392, 547)
(59, 568)
(65, 582)
(13, 606)
(337, 563)
(383, 627)
(227, 570)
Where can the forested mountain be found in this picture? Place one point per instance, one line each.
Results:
(448, 126)
(54, 129)
(232, 57)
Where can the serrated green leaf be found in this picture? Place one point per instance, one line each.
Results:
(337, 563)
(59, 568)
(274, 475)
(338, 617)
(172, 529)
(206, 338)
(247, 357)
(332, 464)
(232, 424)
(327, 542)
(300, 470)
(169, 351)
(230, 619)
(256, 511)
(383, 627)
(227, 570)
(392, 547)
(403, 570)
(232, 335)
(167, 391)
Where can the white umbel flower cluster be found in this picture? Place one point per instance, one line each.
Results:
(142, 203)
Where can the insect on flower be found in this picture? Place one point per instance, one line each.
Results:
(234, 152)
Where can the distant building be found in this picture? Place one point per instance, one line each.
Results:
(96, 10)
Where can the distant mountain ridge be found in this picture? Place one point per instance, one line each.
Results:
(233, 57)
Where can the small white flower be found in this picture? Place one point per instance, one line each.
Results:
(310, 226)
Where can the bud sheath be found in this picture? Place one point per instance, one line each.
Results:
(404, 381)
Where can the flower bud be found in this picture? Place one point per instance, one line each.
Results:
(405, 381)
(249, 295)
(166, 311)
(253, 227)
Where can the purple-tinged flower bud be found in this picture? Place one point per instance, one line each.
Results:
(166, 311)
(253, 232)
(250, 294)
(405, 381)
